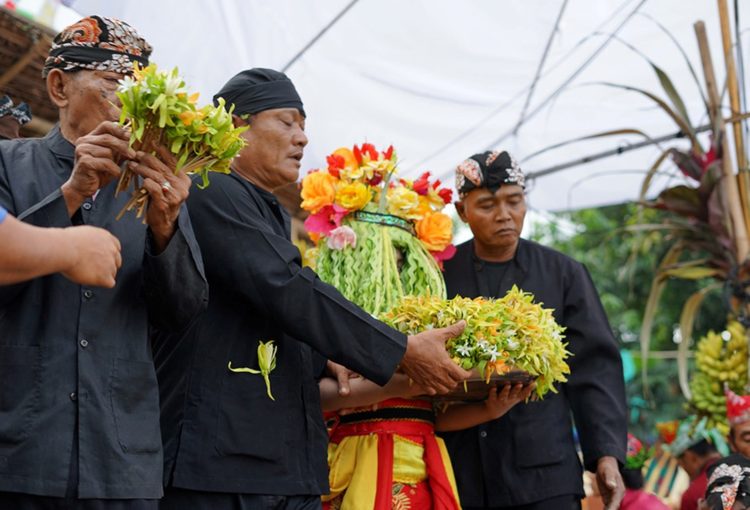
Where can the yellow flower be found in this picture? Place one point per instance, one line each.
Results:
(402, 202)
(318, 191)
(435, 231)
(353, 196)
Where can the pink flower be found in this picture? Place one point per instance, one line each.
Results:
(341, 237)
(446, 254)
(325, 220)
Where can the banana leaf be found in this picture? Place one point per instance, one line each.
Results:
(687, 320)
(676, 117)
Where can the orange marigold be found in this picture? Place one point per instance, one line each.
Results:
(318, 191)
(435, 231)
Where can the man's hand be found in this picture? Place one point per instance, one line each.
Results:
(94, 256)
(609, 481)
(500, 401)
(342, 375)
(167, 191)
(427, 362)
(95, 165)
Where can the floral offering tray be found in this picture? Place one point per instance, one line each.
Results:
(477, 388)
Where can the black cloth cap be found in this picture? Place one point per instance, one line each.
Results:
(490, 169)
(257, 90)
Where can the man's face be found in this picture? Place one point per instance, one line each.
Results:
(275, 144)
(91, 99)
(496, 220)
(739, 438)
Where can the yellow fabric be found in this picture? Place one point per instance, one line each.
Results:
(354, 468)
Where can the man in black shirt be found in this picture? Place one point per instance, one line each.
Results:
(227, 444)
(79, 408)
(527, 459)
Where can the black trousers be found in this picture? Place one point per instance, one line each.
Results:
(17, 501)
(183, 499)
(568, 502)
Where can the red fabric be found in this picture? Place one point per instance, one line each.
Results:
(640, 500)
(417, 431)
(695, 491)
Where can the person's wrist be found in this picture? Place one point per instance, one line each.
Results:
(73, 197)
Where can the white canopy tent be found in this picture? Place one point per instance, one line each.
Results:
(443, 79)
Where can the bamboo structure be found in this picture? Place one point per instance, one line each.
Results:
(734, 101)
(730, 191)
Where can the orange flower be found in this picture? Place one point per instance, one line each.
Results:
(348, 155)
(318, 191)
(435, 231)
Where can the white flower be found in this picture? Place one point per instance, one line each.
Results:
(492, 352)
(464, 350)
(341, 237)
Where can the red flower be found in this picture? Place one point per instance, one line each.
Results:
(377, 177)
(422, 185)
(369, 149)
(446, 194)
(436, 184)
(357, 155)
(388, 153)
(335, 164)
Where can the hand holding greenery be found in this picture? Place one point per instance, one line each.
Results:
(160, 112)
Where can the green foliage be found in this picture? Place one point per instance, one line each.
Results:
(622, 261)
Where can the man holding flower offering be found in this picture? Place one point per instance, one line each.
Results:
(241, 414)
(79, 408)
(527, 459)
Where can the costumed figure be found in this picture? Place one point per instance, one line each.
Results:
(379, 239)
(696, 448)
(636, 498)
(728, 484)
(738, 416)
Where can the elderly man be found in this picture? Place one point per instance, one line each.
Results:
(527, 459)
(227, 443)
(79, 409)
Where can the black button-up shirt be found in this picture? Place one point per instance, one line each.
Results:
(529, 454)
(74, 357)
(221, 431)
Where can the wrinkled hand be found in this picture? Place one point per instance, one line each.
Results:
(95, 165)
(166, 190)
(500, 401)
(610, 484)
(427, 362)
(342, 375)
(95, 256)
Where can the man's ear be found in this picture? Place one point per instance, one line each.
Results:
(56, 87)
(461, 210)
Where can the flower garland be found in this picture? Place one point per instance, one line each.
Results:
(362, 179)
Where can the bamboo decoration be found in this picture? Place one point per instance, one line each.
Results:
(729, 183)
(734, 101)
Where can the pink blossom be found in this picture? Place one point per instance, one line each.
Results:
(325, 220)
(341, 237)
(446, 254)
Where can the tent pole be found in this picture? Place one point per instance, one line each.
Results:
(318, 36)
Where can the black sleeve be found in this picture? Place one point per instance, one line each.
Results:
(50, 212)
(242, 252)
(174, 281)
(596, 386)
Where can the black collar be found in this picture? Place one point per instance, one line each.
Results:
(59, 146)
